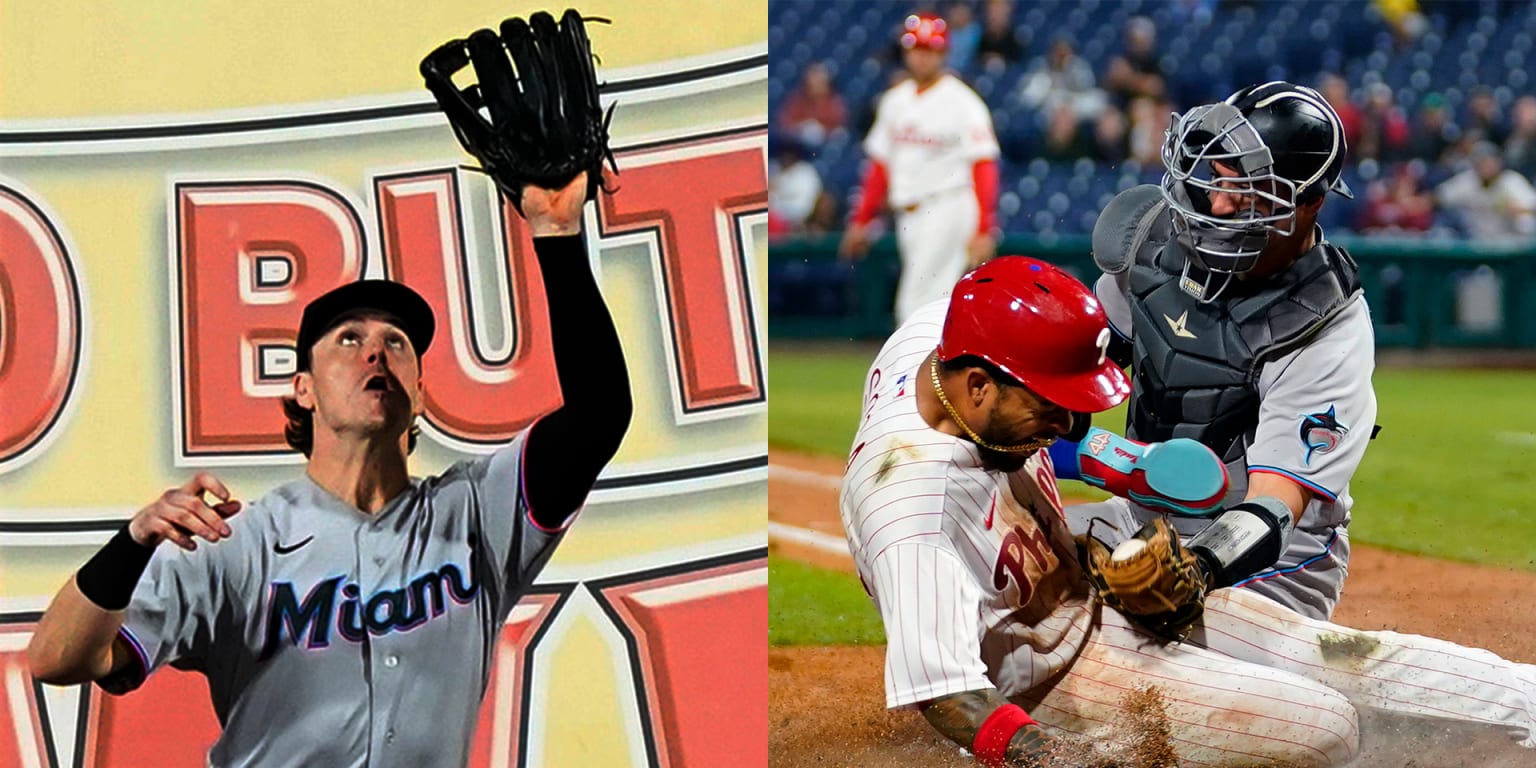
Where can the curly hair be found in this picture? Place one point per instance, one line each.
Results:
(300, 429)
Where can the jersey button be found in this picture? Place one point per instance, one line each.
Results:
(389, 735)
(391, 661)
(378, 559)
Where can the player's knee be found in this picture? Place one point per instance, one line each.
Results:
(1326, 728)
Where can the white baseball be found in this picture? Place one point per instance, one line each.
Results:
(1127, 549)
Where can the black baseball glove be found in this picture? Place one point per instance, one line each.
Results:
(539, 88)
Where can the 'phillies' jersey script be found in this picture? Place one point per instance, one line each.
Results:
(929, 140)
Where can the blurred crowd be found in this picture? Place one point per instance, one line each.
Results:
(1446, 167)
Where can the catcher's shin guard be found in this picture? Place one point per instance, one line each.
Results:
(1180, 476)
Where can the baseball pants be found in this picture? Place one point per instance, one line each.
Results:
(932, 239)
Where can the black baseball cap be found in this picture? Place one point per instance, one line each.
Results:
(404, 307)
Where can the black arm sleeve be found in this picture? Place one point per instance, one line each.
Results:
(569, 447)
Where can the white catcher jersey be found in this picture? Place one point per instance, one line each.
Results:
(332, 637)
(973, 570)
(928, 141)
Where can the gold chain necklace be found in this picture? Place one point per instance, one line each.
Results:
(1032, 445)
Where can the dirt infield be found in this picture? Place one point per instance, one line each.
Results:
(826, 706)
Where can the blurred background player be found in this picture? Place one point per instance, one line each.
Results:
(932, 157)
(1424, 101)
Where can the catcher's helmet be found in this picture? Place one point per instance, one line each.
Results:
(1040, 326)
(923, 30)
(1279, 145)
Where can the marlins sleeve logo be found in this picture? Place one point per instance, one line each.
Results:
(1321, 432)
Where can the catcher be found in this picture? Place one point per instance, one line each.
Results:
(348, 618)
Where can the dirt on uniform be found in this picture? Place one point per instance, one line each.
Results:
(826, 705)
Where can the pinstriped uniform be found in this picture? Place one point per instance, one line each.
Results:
(941, 543)
(932, 533)
(974, 585)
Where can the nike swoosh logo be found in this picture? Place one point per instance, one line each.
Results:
(282, 550)
(1178, 325)
(990, 512)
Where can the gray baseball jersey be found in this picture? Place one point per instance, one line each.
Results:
(1316, 414)
(330, 637)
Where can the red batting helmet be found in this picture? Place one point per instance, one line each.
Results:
(1039, 325)
(923, 30)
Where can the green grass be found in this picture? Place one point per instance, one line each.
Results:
(814, 606)
(1448, 477)
(1450, 474)
(813, 398)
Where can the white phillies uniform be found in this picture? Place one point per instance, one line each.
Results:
(977, 583)
(972, 569)
(928, 142)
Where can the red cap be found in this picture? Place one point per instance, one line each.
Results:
(1039, 325)
(923, 30)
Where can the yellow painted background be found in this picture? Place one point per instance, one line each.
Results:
(78, 58)
(113, 62)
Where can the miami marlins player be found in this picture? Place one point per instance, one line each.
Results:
(932, 155)
(959, 536)
(1247, 331)
(349, 618)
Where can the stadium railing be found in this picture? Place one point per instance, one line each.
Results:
(1422, 293)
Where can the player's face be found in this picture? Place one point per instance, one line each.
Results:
(924, 63)
(1018, 415)
(1231, 202)
(1229, 199)
(364, 379)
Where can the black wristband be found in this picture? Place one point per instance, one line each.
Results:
(1243, 540)
(108, 578)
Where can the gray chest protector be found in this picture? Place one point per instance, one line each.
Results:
(1196, 365)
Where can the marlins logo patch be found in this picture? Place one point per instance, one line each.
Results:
(1321, 433)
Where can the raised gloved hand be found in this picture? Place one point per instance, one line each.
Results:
(538, 86)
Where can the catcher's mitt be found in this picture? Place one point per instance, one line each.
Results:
(539, 89)
(1156, 582)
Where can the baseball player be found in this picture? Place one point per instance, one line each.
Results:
(349, 618)
(1247, 331)
(932, 155)
(959, 536)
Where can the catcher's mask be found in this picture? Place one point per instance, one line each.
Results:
(1278, 145)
